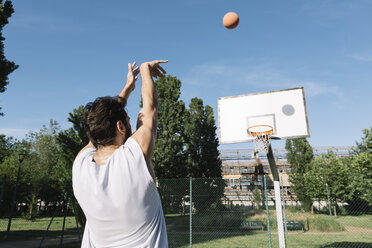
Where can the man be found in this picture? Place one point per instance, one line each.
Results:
(113, 179)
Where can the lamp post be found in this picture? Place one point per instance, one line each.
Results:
(21, 157)
(329, 202)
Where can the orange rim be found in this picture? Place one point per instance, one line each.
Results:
(253, 133)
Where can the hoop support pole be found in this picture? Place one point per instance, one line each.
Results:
(278, 201)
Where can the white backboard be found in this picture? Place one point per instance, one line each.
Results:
(284, 110)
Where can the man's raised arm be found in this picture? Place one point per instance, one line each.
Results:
(147, 118)
(125, 92)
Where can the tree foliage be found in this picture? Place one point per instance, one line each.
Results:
(6, 66)
(6, 147)
(169, 159)
(366, 144)
(201, 141)
(203, 160)
(70, 142)
(299, 155)
(361, 175)
(332, 170)
(39, 177)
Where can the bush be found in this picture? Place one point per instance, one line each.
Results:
(223, 221)
(295, 209)
(273, 224)
(323, 224)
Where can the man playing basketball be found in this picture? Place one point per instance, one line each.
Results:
(113, 179)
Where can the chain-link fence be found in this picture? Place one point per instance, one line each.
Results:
(39, 224)
(225, 215)
(203, 212)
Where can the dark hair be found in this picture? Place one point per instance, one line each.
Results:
(100, 118)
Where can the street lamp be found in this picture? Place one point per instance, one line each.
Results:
(21, 157)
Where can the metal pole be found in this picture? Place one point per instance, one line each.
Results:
(2, 190)
(14, 198)
(190, 212)
(284, 213)
(329, 202)
(50, 223)
(278, 204)
(65, 207)
(267, 212)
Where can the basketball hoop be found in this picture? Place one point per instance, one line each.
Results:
(262, 136)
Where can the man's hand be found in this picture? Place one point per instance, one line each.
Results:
(131, 76)
(154, 68)
(131, 79)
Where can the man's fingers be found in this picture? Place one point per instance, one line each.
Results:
(159, 73)
(161, 61)
(156, 62)
(133, 64)
(161, 68)
(155, 73)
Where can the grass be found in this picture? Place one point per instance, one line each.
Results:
(324, 224)
(261, 240)
(25, 229)
(37, 224)
(362, 221)
(178, 227)
(317, 222)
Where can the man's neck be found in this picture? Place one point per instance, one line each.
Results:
(104, 153)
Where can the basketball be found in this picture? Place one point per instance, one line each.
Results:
(231, 20)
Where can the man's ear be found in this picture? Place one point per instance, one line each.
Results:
(120, 127)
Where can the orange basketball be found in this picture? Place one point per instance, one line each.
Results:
(230, 20)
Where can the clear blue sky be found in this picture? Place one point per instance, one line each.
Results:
(70, 52)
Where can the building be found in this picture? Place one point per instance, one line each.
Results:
(243, 174)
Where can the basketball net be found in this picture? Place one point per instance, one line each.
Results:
(262, 137)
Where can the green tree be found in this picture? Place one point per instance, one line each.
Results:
(332, 170)
(366, 144)
(203, 156)
(6, 66)
(169, 158)
(6, 147)
(362, 176)
(299, 155)
(70, 142)
(30, 174)
(201, 141)
(44, 146)
(257, 197)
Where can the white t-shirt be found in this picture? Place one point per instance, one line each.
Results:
(120, 200)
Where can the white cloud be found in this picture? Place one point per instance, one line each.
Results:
(15, 132)
(365, 58)
(257, 77)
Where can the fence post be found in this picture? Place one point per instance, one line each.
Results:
(283, 203)
(190, 212)
(267, 211)
(65, 207)
(50, 223)
(2, 190)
